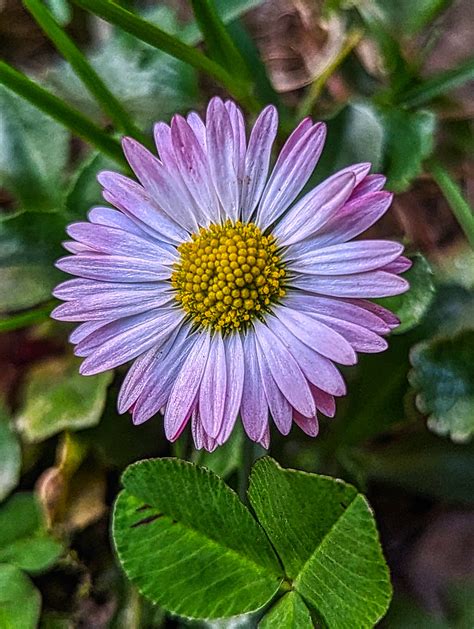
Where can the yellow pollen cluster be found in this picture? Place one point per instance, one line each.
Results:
(227, 275)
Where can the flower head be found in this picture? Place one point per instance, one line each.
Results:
(233, 296)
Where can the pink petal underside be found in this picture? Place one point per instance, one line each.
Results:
(346, 258)
(280, 408)
(319, 370)
(325, 402)
(254, 409)
(371, 183)
(400, 265)
(257, 160)
(308, 425)
(157, 182)
(196, 123)
(186, 387)
(113, 268)
(315, 209)
(84, 330)
(221, 158)
(285, 370)
(213, 388)
(235, 382)
(291, 172)
(317, 335)
(361, 339)
(77, 247)
(200, 437)
(388, 317)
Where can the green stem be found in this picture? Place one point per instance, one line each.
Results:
(151, 34)
(81, 66)
(455, 199)
(30, 317)
(306, 107)
(60, 111)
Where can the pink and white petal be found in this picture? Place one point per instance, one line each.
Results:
(291, 172)
(185, 390)
(314, 210)
(221, 158)
(129, 340)
(361, 339)
(317, 335)
(254, 408)
(369, 284)
(240, 140)
(371, 183)
(136, 379)
(156, 181)
(308, 425)
(257, 160)
(85, 330)
(127, 195)
(196, 123)
(169, 359)
(325, 403)
(77, 247)
(280, 408)
(112, 268)
(388, 317)
(337, 308)
(234, 353)
(115, 218)
(213, 388)
(79, 288)
(200, 437)
(194, 168)
(400, 265)
(285, 370)
(348, 257)
(118, 242)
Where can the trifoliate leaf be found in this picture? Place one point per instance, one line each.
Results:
(20, 601)
(443, 375)
(185, 539)
(326, 537)
(56, 397)
(289, 613)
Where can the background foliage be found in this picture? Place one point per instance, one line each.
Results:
(373, 515)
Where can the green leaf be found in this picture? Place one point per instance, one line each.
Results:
(34, 153)
(443, 375)
(413, 305)
(438, 84)
(409, 140)
(355, 135)
(151, 84)
(405, 17)
(24, 541)
(10, 456)
(56, 397)
(61, 11)
(325, 535)
(189, 544)
(219, 44)
(29, 244)
(20, 601)
(290, 612)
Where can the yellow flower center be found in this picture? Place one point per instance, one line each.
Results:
(227, 275)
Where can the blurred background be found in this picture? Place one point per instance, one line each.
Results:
(394, 81)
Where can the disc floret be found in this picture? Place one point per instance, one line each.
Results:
(228, 274)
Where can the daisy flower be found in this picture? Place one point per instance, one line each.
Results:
(233, 295)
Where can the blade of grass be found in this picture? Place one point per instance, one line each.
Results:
(81, 66)
(30, 317)
(219, 43)
(151, 34)
(438, 84)
(53, 106)
(455, 199)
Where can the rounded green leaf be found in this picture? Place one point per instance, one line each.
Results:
(290, 612)
(326, 537)
(20, 601)
(443, 375)
(56, 397)
(10, 457)
(412, 305)
(189, 544)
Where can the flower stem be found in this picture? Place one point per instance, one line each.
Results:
(81, 66)
(29, 317)
(455, 199)
(151, 34)
(53, 106)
